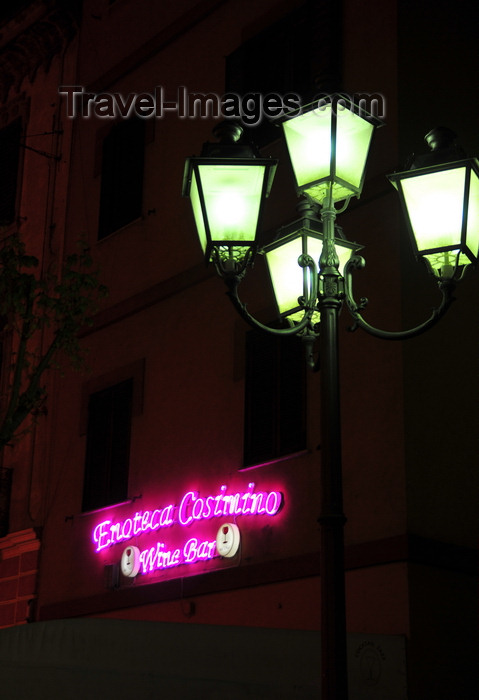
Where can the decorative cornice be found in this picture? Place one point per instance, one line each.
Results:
(34, 46)
(17, 543)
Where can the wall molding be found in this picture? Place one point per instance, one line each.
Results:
(407, 549)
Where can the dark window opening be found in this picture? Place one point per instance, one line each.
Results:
(9, 165)
(5, 498)
(299, 54)
(275, 398)
(5, 473)
(121, 195)
(108, 446)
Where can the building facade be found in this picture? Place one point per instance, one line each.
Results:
(37, 52)
(188, 432)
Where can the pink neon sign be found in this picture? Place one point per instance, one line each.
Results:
(192, 508)
(159, 558)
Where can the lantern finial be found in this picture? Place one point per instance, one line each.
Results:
(444, 149)
(228, 131)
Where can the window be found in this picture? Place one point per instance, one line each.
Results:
(9, 166)
(5, 473)
(121, 194)
(298, 54)
(5, 497)
(275, 397)
(108, 446)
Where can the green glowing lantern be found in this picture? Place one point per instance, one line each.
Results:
(292, 283)
(227, 186)
(441, 203)
(328, 143)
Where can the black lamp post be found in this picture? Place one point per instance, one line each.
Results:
(328, 147)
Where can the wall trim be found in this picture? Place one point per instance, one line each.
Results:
(408, 549)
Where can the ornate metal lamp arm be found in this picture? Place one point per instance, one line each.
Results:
(357, 262)
(233, 280)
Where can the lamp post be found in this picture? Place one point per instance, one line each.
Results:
(328, 146)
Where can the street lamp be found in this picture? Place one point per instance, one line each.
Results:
(441, 205)
(312, 265)
(227, 186)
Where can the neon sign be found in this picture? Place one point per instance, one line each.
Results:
(158, 558)
(192, 508)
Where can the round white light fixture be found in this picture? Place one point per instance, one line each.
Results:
(130, 562)
(228, 540)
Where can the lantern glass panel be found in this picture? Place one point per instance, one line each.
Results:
(352, 147)
(435, 203)
(232, 196)
(289, 280)
(473, 214)
(197, 212)
(287, 277)
(308, 137)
